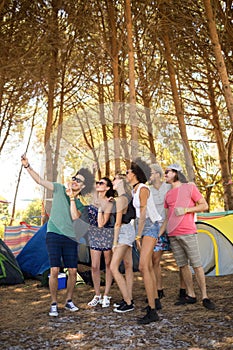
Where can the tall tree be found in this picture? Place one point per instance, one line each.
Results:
(165, 8)
(132, 91)
(222, 71)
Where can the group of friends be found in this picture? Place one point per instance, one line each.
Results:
(137, 206)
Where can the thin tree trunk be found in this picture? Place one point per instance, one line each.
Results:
(146, 97)
(104, 129)
(222, 151)
(221, 66)
(116, 92)
(132, 91)
(52, 78)
(21, 169)
(59, 133)
(179, 109)
(124, 143)
(222, 71)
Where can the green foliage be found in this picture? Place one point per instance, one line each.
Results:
(32, 214)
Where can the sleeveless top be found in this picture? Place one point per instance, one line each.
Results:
(93, 216)
(151, 211)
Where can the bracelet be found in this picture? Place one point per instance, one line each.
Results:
(137, 238)
(99, 210)
(27, 166)
(185, 210)
(72, 199)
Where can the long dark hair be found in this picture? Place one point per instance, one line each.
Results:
(110, 192)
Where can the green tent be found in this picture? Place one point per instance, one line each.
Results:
(10, 272)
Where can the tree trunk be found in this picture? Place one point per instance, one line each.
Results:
(222, 151)
(116, 91)
(104, 129)
(132, 91)
(145, 87)
(221, 66)
(20, 172)
(59, 132)
(179, 109)
(123, 131)
(52, 79)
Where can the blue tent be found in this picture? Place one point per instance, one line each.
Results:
(33, 258)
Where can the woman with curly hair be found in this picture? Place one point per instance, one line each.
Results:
(147, 230)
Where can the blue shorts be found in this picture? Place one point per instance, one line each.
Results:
(150, 229)
(62, 250)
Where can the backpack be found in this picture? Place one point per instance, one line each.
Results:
(131, 212)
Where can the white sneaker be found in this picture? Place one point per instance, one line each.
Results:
(95, 301)
(106, 301)
(53, 310)
(70, 306)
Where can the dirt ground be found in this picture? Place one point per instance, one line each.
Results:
(25, 324)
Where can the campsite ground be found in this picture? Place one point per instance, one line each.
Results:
(25, 324)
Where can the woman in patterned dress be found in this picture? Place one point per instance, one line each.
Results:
(100, 237)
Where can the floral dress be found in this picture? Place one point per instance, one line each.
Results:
(99, 238)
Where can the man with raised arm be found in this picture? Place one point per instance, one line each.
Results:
(61, 237)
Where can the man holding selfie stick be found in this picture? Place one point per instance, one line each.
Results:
(61, 237)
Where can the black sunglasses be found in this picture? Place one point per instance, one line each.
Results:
(76, 179)
(123, 175)
(167, 171)
(100, 183)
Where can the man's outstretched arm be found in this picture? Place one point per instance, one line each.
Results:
(36, 177)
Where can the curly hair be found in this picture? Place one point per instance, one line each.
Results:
(89, 180)
(141, 169)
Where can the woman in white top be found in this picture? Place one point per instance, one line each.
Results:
(147, 229)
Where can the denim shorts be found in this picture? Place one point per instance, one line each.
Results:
(127, 234)
(62, 250)
(150, 229)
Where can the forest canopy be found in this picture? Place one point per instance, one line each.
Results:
(99, 83)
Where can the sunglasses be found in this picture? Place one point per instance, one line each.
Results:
(76, 179)
(100, 183)
(128, 172)
(167, 171)
(118, 178)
